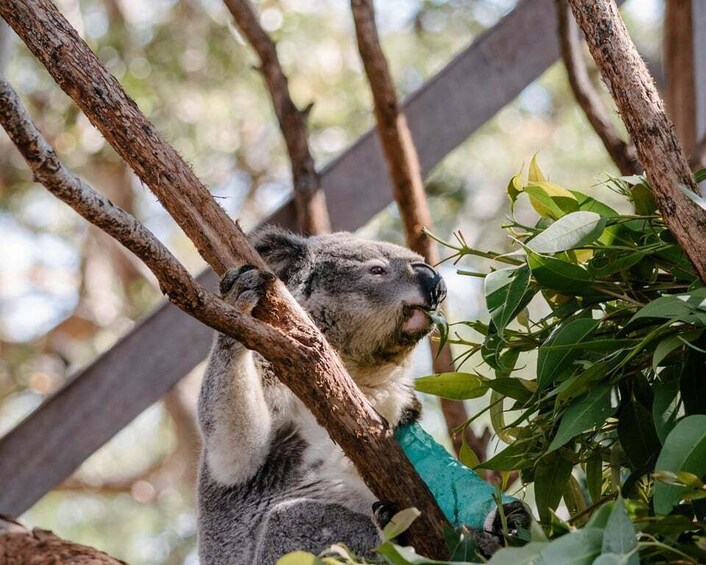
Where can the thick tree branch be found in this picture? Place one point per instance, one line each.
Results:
(642, 110)
(310, 200)
(622, 152)
(288, 339)
(405, 174)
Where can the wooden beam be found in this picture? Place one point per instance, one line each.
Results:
(99, 401)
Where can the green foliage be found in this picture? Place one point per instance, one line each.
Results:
(614, 315)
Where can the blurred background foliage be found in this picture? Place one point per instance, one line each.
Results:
(67, 292)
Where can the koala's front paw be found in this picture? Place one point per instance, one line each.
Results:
(517, 516)
(243, 287)
(492, 538)
(383, 512)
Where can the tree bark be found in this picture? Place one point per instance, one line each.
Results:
(642, 110)
(621, 152)
(287, 338)
(21, 546)
(310, 200)
(406, 177)
(679, 69)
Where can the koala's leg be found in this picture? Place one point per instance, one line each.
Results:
(234, 417)
(311, 525)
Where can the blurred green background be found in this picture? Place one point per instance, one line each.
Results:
(67, 292)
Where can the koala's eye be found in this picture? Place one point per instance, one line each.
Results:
(377, 270)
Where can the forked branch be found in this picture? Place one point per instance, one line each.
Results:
(642, 110)
(622, 152)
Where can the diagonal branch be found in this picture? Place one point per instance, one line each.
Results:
(642, 110)
(622, 152)
(174, 280)
(405, 174)
(309, 198)
(289, 339)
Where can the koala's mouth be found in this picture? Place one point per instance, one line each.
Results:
(416, 320)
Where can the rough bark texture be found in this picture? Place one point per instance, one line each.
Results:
(680, 95)
(622, 152)
(288, 339)
(308, 196)
(405, 174)
(643, 112)
(21, 546)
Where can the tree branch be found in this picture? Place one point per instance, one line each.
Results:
(309, 199)
(622, 152)
(405, 174)
(22, 545)
(288, 338)
(642, 111)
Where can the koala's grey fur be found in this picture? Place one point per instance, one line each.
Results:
(271, 480)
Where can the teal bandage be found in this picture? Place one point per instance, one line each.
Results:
(462, 495)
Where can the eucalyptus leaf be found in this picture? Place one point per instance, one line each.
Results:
(577, 548)
(550, 363)
(589, 412)
(504, 291)
(684, 450)
(638, 436)
(551, 200)
(513, 457)
(594, 477)
(573, 230)
(619, 536)
(456, 386)
(299, 558)
(551, 476)
(399, 523)
(665, 407)
(558, 275)
(515, 388)
(525, 555)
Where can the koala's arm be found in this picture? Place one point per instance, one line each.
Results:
(234, 417)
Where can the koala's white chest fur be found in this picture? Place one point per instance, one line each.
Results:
(389, 390)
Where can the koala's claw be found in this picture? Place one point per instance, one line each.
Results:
(230, 276)
(243, 287)
(383, 512)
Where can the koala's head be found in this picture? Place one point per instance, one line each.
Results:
(369, 298)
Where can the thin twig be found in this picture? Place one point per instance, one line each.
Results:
(622, 152)
(308, 196)
(406, 177)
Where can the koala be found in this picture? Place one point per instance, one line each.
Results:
(271, 480)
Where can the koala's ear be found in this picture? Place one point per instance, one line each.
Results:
(285, 252)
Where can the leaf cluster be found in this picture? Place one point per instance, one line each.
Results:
(607, 314)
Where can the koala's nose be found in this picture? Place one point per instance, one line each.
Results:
(432, 285)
